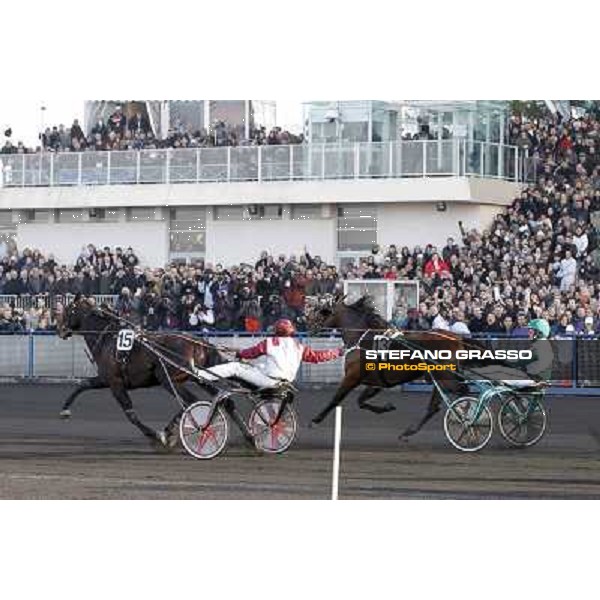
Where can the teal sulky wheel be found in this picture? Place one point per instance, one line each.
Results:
(522, 420)
(468, 424)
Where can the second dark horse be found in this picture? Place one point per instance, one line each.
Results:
(360, 324)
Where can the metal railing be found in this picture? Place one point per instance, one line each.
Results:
(302, 162)
(34, 355)
(48, 301)
(44, 355)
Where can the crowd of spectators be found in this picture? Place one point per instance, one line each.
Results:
(539, 258)
(120, 133)
(247, 297)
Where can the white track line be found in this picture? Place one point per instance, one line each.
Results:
(336, 453)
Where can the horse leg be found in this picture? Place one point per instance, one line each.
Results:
(181, 394)
(370, 392)
(187, 398)
(432, 409)
(229, 406)
(126, 404)
(343, 390)
(90, 384)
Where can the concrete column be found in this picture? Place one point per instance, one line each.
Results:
(247, 119)
(207, 115)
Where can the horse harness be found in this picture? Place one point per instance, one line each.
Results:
(383, 341)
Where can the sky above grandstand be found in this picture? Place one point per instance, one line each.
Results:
(26, 118)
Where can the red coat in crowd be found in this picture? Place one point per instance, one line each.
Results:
(437, 266)
(565, 143)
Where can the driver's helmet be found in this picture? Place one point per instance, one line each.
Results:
(540, 327)
(284, 328)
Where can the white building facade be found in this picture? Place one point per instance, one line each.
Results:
(226, 205)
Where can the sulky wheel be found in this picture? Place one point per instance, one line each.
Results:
(468, 424)
(522, 420)
(199, 438)
(273, 432)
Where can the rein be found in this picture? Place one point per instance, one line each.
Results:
(427, 332)
(358, 343)
(98, 341)
(188, 338)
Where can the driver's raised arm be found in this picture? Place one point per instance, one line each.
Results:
(255, 351)
(318, 356)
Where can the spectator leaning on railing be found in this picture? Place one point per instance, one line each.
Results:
(119, 133)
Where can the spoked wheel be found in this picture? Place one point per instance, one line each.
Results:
(468, 425)
(522, 420)
(199, 438)
(271, 434)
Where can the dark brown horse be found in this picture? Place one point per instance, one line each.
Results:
(142, 367)
(360, 324)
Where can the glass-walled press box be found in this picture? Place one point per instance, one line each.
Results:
(475, 120)
(350, 121)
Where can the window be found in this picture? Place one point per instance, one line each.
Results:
(188, 217)
(8, 229)
(5, 218)
(264, 211)
(229, 213)
(104, 215)
(34, 216)
(149, 213)
(71, 215)
(306, 211)
(356, 132)
(248, 212)
(187, 242)
(357, 227)
(187, 227)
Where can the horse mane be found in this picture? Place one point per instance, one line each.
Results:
(101, 316)
(364, 305)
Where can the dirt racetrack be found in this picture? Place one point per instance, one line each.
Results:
(98, 454)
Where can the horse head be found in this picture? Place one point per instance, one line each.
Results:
(71, 318)
(322, 311)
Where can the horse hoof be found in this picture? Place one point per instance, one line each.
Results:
(159, 443)
(65, 414)
(172, 440)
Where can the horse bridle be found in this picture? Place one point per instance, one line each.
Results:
(316, 305)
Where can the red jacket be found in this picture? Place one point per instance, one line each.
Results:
(284, 355)
(432, 269)
(565, 143)
(308, 354)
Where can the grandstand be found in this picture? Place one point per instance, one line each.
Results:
(337, 198)
(371, 191)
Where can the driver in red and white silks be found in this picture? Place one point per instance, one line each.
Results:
(281, 357)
